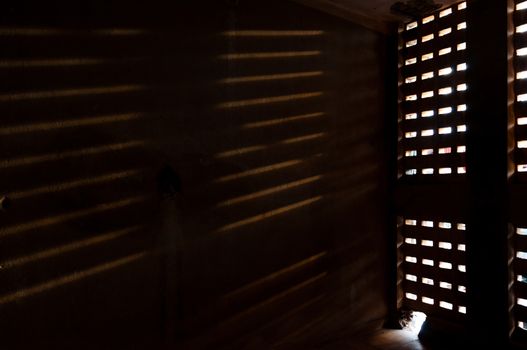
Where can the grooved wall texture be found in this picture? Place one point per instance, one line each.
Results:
(272, 116)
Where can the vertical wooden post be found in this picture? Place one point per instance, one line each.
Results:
(391, 134)
(487, 98)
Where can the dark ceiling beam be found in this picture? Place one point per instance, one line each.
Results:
(352, 15)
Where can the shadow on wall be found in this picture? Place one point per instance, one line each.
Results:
(77, 251)
(272, 116)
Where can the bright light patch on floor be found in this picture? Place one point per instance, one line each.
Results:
(416, 322)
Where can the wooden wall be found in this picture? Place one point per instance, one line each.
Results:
(273, 117)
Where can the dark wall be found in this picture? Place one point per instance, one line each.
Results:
(271, 117)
